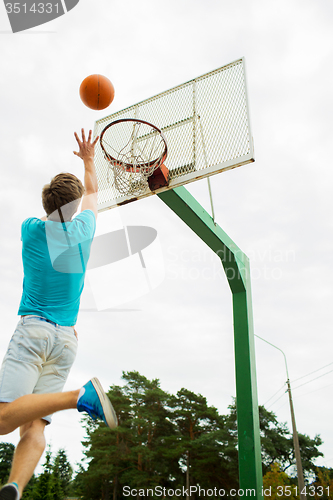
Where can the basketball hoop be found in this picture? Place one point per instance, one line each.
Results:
(134, 149)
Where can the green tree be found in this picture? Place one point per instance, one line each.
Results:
(275, 441)
(44, 483)
(57, 483)
(323, 484)
(78, 483)
(54, 482)
(133, 454)
(277, 444)
(309, 452)
(63, 470)
(106, 450)
(277, 484)
(6, 458)
(166, 440)
(205, 445)
(150, 424)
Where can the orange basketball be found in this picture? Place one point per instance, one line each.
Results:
(96, 92)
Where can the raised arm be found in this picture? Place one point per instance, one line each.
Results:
(86, 153)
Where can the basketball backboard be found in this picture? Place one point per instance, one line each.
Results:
(206, 125)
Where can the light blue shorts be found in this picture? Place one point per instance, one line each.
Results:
(38, 359)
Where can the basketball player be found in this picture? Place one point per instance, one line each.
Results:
(55, 251)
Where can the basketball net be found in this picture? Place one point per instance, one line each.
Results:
(134, 149)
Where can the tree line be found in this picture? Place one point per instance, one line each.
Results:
(54, 483)
(168, 441)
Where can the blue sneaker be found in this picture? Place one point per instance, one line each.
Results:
(93, 400)
(10, 492)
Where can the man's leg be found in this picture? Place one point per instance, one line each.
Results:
(32, 407)
(28, 452)
(91, 399)
(27, 412)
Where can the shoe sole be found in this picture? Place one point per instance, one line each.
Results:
(9, 494)
(109, 413)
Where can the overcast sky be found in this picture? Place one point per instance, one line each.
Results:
(277, 210)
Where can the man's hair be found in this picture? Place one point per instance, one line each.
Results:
(64, 189)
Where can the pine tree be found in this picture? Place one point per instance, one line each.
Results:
(277, 444)
(150, 425)
(165, 440)
(57, 490)
(6, 457)
(203, 445)
(62, 468)
(43, 488)
(107, 451)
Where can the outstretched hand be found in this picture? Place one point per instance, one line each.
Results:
(86, 147)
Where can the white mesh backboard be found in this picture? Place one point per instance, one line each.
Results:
(206, 125)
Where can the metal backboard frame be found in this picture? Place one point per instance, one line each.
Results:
(206, 124)
(207, 127)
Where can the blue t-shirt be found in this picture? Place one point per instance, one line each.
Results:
(55, 257)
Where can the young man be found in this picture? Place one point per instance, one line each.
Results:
(55, 251)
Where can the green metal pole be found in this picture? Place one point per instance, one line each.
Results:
(236, 266)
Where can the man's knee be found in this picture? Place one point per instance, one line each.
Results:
(3, 426)
(35, 427)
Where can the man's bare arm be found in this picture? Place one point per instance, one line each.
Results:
(86, 153)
